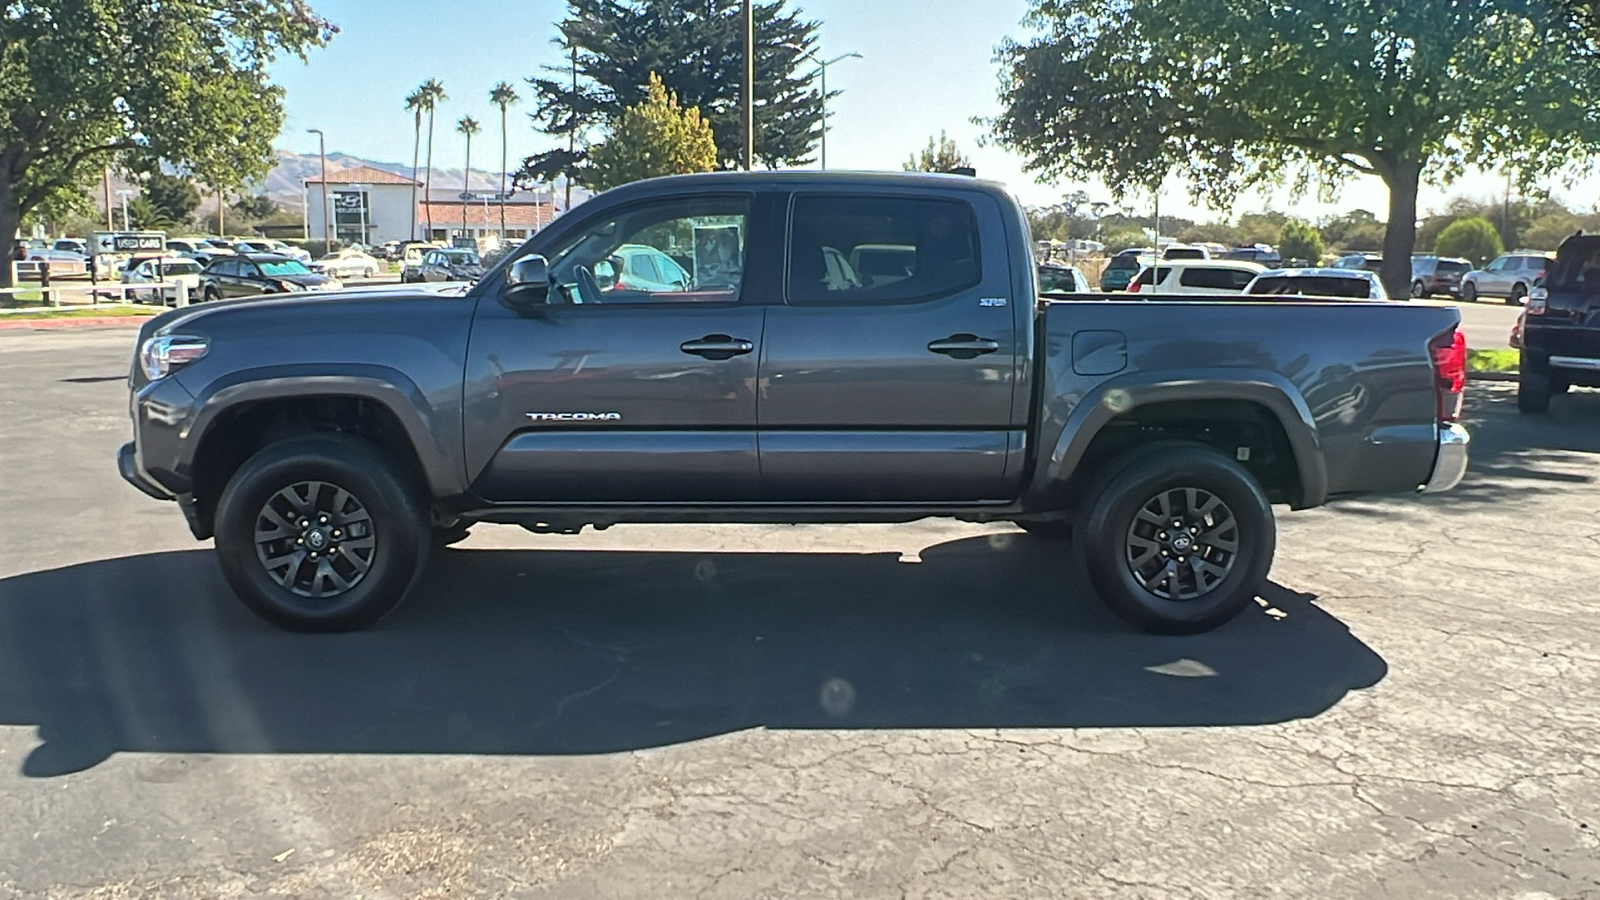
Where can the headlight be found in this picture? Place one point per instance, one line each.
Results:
(290, 286)
(163, 355)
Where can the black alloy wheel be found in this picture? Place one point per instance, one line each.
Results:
(1182, 543)
(316, 539)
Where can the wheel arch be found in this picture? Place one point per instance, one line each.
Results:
(1216, 407)
(237, 419)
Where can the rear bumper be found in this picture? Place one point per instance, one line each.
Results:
(1450, 463)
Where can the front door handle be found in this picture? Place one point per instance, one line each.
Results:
(964, 346)
(717, 346)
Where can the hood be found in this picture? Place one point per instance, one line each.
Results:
(309, 280)
(299, 305)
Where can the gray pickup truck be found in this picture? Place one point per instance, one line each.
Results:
(780, 348)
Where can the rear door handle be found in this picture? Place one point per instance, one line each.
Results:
(964, 346)
(717, 346)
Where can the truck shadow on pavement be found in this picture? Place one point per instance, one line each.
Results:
(589, 651)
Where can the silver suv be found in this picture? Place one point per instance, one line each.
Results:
(1509, 276)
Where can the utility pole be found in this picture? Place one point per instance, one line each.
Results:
(750, 85)
(572, 136)
(322, 151)
(106, 184)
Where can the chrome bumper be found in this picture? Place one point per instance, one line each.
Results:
(1450, 464)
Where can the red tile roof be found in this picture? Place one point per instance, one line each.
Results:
(518, 215)
(362, 175)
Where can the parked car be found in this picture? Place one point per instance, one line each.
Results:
(1058, 279)
(1344, 284)
(631, 267)
(272, 245)
(1123, 266)
(1261, 254)
(1185, 251)
(1371, 262)
(62, 257)
(411, 254)
(198, 249)
(247, 275)
(170, 269)
(327, 444)
(450, 264)
(1198, 276)
(388, 250)
(1437, 275)
(1510, 275)
(347, 263)
(1560, 334)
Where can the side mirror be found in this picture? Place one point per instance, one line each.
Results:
(527, 283)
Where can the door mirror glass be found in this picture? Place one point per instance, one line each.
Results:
(527, 283)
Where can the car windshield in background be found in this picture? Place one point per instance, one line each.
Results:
(283, 267)
(1314, 286)
(461, 257)
(1453, 268)
(1184, 253)
(171, 269)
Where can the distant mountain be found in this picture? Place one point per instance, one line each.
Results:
(284, 183)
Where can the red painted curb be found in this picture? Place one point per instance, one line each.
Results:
(84, 322)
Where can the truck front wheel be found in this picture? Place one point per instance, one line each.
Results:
(1177, 540)
(321, 533)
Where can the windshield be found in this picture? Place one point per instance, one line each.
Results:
(182, 268)
(460, 257)
(279, 268)
(1313, 286)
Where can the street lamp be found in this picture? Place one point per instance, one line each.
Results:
(125, 194)
(749, 85)
(822, 66)
(322, 151)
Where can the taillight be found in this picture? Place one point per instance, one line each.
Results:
(1538, 300)
(621, 286)
(1133, 286)
(1450, 373)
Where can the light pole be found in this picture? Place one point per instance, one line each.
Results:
(749, 85)
(322, 151)
(125, 194)
(822, 67)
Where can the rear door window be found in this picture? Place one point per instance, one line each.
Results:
(1218, 279)
(908, 249)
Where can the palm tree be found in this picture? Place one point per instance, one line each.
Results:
(503, 95)
(432, 95)
(414, 103)
(469, 127)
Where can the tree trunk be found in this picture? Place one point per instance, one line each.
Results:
(427, 181)
(1400, 235)
(10, 221)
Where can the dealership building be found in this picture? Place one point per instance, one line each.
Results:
(370, 206)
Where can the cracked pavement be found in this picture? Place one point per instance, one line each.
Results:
(926, 710)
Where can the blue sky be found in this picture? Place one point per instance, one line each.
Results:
(927, 65)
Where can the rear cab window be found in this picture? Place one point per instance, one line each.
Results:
(1314, 286)
(869, 249)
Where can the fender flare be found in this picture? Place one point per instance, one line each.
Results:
(1126, 393)
(388, 387)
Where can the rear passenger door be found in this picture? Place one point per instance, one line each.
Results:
(893, 383)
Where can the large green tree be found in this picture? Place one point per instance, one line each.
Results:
(653, 138)
(173, 196)
(88, 83)
(697, 49)
(1236, 93)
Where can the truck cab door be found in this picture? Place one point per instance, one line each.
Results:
(889, 368)
(616, 394)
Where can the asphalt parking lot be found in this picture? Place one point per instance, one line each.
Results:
(927, 710)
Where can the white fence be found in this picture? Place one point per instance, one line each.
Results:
(109, 293)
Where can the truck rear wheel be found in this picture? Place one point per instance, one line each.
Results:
(1177, 540)
(321, 533)
(1533, 391)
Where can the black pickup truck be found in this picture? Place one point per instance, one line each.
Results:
(1561, 326)
(781, 348)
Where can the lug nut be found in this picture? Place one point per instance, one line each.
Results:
(1194, 529)
(1163, 553)
(337, 533)
(1161, 536)
(313, 554)
(299, 541)
(323, 519)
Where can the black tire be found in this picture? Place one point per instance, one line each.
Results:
(1233, 539)
(1054, 530)
(1518, 292)
(1418, 289)
(1533, 391)
(210, 295)
(1469, 292)
(302, 476)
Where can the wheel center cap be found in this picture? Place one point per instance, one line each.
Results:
(316, 540)
(1181, 542)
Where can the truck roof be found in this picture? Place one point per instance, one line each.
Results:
(797, 177)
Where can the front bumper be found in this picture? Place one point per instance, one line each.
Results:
(1450, 463)
(128, 466)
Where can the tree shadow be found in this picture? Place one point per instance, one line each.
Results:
(568, 652)
(1513, 456)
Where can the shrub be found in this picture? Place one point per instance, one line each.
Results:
(1300, 242)
(1475, 239)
